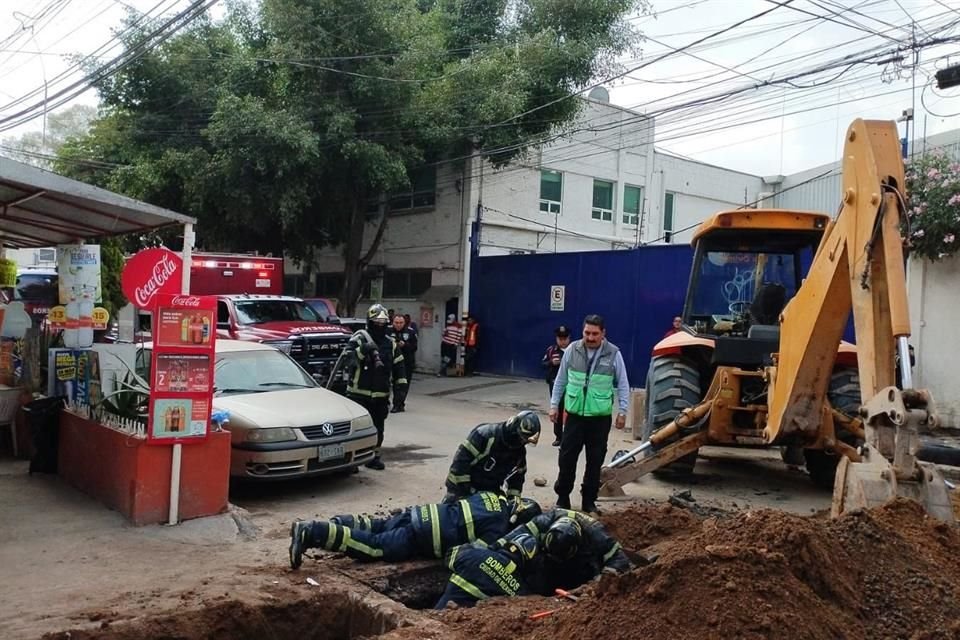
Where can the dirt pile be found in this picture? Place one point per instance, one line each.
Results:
(887, 573)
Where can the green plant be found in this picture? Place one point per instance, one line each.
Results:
(129, 399)
(933, 213)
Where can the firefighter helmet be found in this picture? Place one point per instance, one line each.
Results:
(521, 548)
(563, 538)
(523, 510)
(522, 429)
(378, 314)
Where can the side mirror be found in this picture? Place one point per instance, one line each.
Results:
(223, 325)
(334, 320)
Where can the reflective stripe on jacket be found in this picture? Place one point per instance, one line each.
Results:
(481, 518)
(590, 391)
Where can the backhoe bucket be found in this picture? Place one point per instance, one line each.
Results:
(874, 482)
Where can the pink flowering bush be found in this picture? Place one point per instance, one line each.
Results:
(933, 206)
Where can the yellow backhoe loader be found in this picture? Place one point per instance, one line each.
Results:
(761, 361)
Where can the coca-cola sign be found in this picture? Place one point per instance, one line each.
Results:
(150, 272)
(186, 301)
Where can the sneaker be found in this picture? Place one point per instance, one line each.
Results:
(563, 502)
(555, 443)
(299, 540)
(376, 464)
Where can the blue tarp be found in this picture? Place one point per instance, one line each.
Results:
(636, 291)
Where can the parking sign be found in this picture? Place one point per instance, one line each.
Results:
(558, 295)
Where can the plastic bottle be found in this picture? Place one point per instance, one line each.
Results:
(206, 329)
(71, 338)
(185, 330)
(85, 321)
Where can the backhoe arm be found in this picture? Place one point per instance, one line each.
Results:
(859, 266)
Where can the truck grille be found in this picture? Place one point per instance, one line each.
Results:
(315, 432)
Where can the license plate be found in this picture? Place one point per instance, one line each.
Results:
(331, 451)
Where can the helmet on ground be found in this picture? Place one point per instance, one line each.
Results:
(562, 539)
(522, 429)
(378, 314)
(523, 510)
(522, 548)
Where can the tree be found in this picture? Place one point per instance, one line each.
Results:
(33, 147)
(286, 127)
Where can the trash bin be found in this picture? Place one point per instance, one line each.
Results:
(43, 417)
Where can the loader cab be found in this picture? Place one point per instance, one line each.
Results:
(746, 268)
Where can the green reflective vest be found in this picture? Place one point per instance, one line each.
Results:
(590, 393)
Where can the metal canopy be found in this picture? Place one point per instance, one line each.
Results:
(40, 209)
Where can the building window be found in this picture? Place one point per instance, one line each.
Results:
(602, 200)
(668, 203)
(406, 283)
(329, 285)
(551, 191)
(632, 197)
(423, 183)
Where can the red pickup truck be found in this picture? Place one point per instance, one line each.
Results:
(289, 324)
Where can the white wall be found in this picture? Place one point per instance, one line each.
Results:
(934, 309)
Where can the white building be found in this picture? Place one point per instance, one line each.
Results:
(602, 185)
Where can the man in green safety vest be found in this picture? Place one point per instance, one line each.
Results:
(592, 382)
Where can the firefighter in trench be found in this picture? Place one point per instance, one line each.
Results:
(375, 363)
(424, 531)
(479, 572)
(493, 455)
(575, 548)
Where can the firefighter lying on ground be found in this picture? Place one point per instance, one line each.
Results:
(424, 531)
(479, 572)
(493, 454)
(575, 549)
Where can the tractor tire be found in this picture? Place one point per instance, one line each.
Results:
(844, 396)
(673, 384)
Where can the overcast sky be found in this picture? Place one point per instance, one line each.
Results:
(759, 131)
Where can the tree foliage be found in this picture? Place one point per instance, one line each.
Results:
(278, 126)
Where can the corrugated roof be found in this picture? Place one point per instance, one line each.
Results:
(41, 209)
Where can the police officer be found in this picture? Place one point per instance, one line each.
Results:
(493, 454)
(576, 549)
(406, 340)
(426, 531)
(480, 572)
(374, 361)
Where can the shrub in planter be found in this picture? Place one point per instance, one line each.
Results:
(932, 228)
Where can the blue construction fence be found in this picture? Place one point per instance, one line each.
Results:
(637, 291)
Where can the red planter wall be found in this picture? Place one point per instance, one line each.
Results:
(127, 475)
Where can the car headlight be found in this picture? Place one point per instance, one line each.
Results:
(283, 345)
(276, 434)
(361, 423)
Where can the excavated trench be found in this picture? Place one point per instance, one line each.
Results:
(326, 616)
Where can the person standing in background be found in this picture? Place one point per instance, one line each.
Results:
(676, 327)
(470, 343)
(449, 342)
(551, 362)
(406, 341)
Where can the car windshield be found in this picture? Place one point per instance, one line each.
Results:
(728, 281)
(322, 308)
(261, 311)
(37, 287)
(256, 371)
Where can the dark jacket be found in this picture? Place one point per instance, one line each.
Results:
(409, 339)
(483, 516)
(479, 573)
(373, 367)
(598, 551)
(552, 369)
(485, 460)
